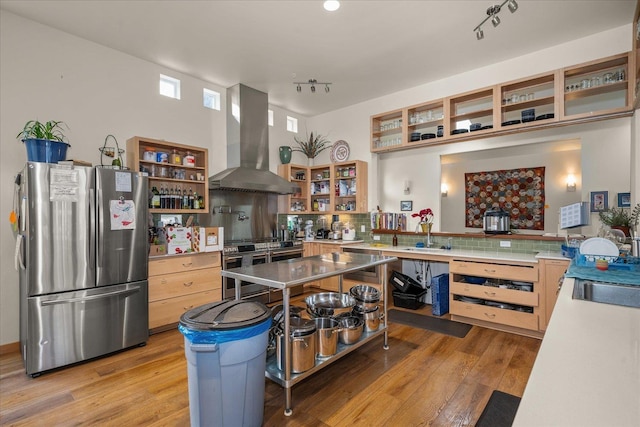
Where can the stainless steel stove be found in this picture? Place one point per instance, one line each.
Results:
(242, 253)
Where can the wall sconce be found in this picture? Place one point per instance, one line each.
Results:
(571, 182)
(407, 187)
(444, 190)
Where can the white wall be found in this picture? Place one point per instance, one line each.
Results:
(422, 166)
(46, 74)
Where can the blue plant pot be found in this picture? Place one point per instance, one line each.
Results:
(45, 151)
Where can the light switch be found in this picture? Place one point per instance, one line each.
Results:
(505, 243)
(363, 229)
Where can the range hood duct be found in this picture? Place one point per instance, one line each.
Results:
(248, 146)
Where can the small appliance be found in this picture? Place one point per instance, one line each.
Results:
(497, 221)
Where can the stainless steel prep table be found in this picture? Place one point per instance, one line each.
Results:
(289, 273)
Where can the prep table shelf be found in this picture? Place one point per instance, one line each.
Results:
(276, 375)
(285, 275)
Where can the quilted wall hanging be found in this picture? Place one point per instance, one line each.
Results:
(520, 192)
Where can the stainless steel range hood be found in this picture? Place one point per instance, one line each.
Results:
(248, 146)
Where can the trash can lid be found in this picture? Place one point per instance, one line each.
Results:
(225, 315)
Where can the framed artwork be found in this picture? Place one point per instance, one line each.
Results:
(599, 201)
(624, 200)
(406, 205)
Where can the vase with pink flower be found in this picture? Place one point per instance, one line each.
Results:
(426, 222)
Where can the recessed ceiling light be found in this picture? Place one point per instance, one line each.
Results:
(331, 5)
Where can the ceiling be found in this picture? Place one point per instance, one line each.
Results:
(366, 49)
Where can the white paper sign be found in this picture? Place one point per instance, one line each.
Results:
(122, 214)
(63, 185)
(123, 181)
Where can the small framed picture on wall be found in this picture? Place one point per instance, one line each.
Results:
(624, 200)
(599, 201)
(406, 205)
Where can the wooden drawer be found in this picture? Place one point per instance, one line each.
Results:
(177, 284)
(180, 263)
(496, 315)
(524, 273)
(168, 311)
(495, 294)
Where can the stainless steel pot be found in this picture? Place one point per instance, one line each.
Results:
(371, 318)
(327, 304)
(496, 221)
(327, 330)
(352, 328)
(303, 346)
(367, 297)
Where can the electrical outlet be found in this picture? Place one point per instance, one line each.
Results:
(376, 237)
(505, 243)
(363, 229)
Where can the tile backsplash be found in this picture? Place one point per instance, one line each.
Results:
(472, 243)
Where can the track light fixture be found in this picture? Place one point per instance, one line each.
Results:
(312, 83)
(492, 14)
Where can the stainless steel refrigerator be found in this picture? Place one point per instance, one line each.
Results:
(83, 257)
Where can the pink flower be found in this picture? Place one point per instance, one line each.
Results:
(426, 215)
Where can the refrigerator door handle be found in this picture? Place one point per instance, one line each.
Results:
(126, 292)
(19, 257)
(92, 227)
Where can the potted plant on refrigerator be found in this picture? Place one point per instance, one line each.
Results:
(44, 141)
(617, 218)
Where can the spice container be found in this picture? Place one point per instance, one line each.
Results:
(175, 158)
(162, 157)
(189, 160)
(149, 155)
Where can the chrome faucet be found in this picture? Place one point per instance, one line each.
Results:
(428, 243)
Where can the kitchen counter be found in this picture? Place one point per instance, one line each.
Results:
(412, 252)
(587, 372)
(334, 242)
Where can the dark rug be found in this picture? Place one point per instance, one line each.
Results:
(500, 410)
(443, 326)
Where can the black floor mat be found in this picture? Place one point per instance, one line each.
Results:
(443, 326)
(500, 410)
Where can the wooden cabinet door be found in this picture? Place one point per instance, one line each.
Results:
(552, 272)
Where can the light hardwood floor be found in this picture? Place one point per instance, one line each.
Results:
(425, 378)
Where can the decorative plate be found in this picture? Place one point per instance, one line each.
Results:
(339, 151)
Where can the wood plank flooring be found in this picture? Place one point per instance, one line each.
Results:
(425, 378)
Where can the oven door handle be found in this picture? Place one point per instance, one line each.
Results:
(280, 253)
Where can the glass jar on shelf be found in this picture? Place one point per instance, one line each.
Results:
(175, 158)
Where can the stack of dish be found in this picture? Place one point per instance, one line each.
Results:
(475, 126)
(457, 131)
(415, 136)
(511, 122)
(545, 116)
(528, 115)
(427, 135)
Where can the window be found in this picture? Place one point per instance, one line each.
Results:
(292, 124)
(169, 87)
(211, 99)
(270, 118)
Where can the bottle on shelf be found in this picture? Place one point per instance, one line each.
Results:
(395, 240)
(163, 198)
(155, 199)
(185, 199)
(190, 199)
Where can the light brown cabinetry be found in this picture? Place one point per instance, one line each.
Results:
(596, 90)
(552, 270)
(510, 299)
(326, 189)
(180, 283)
(186, 178)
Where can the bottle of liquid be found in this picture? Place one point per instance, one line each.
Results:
(163, 198)
(155, 199)
(191, 200)
(186, 204)
(395, 240)
(196, 201)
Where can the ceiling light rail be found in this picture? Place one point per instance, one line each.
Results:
(313, 83)
(492, 14)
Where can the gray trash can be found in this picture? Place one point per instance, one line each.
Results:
(225, 344)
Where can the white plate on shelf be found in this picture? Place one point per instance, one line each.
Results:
(599, 246)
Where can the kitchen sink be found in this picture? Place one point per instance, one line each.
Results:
(607, 293)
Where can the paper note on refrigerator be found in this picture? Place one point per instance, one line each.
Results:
(122, 214)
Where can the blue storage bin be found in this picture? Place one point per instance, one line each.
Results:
(440, 294)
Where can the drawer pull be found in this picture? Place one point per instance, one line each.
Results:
(489, 270)
(490, 294)
(187, 284)
(187, 308)
(187, 265)
(490, 315)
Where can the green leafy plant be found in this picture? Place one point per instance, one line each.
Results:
(615, 217)
(312, 145)
(53, 130)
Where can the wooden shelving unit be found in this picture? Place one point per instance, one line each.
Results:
(569, 95)
(168, 175)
